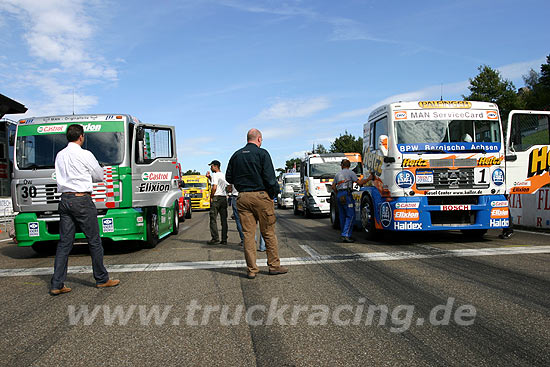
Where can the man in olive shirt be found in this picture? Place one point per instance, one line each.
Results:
(250, 170)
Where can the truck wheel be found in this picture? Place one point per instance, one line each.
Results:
(367, 218)
(152, 227)
(474, 234)
(295, 207)
(334, 213)
(189, 213)
(176, 222)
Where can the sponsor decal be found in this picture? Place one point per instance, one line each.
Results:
(108, 225)
(34, 229)
(499, 213)
(385, 214)
(424, 177)
(373, 162)
(406, 215)
(445, 104)
(492, 115)
(520, 190)
(400, 115)
(163, 211)
(449, 147)
(89, 128)
(412, 205)
(498, 177)
(452, 192)
(50, 129)
(156, 176)
(499, 204)
(404, 179)
(522, 183)
(489, 161)
(414, 162)
(539, 160)
(499, 223)
(407, 226)
(153, 187)
(139, 219)
(455, 207)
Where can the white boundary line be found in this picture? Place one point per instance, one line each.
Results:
(320, 259)
(310, 251)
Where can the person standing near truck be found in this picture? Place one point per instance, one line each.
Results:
(218, 204)
(343, 184)
(76, 170)
(250, 170)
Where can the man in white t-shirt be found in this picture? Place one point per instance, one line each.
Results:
(218, 204)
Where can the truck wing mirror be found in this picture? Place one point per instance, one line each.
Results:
(383, 144)
(140, 133)
(511, 157)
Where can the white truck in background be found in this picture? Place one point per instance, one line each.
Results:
(290, 186)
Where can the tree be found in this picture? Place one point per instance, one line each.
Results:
(545, 74)
(347, 143)
(320, 149)
(191, 172)
(489, 86)
(534, 95)
(291, 162)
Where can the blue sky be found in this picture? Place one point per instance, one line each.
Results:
(301, 71)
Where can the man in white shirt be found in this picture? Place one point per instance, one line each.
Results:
(218, 204)
(76, 170)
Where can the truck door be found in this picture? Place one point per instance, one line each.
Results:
(527, 151)
(154, 173)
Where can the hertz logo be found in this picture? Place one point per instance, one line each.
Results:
(539, 162)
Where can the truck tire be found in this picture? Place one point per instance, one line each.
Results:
(189, 213)
(295, 207)
(334, 212)
(152, 223)
(45, 248)
(367, 218)
(307, 213)
(176, 221)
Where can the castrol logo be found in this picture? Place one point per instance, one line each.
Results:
(156, 176)
(406, 215)
(400, 115)
(499, 213)
(492, 115)
(51, 129)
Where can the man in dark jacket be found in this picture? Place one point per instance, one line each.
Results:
(250, 170)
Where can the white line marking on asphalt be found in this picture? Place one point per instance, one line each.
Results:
(321, 259)
(532, 232)
(310, 251)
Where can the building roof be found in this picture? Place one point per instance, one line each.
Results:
(9, 106)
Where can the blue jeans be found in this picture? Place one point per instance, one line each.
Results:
(237, 218)
(79, 210)
(346, 212)
(262, 242)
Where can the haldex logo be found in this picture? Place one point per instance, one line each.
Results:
(156, 176)
(45, 129)
(407, 226)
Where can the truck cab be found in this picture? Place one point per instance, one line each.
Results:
(197, 187)
(290, 185)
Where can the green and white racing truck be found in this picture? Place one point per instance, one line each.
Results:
(138, 199)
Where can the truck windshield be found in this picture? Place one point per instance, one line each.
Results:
(292, 180)
(447, 131)
(330, 169)
(199, 185)
(39, 151)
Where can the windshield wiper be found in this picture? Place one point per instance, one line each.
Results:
(434, 151)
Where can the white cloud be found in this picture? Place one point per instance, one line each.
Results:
(517, 70)
(290, 109)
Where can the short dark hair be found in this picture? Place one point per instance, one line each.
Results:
(346, 163)
(74, 131)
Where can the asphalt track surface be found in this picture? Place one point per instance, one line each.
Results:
(320, 308)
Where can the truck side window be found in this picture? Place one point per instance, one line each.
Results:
(529, 130)
(157, 143)
(381, 128)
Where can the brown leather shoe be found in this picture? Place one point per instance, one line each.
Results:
(57, 292)
(250, 275)
(109, 283)
(278, 270)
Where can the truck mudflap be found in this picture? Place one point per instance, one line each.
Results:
(418, 214)
(116, 225)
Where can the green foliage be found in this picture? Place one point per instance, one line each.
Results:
(545, 74)
(320, 149)
(191, 172)
(290, 164)
(489, 86)
(347, 143)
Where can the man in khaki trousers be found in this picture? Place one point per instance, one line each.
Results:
(250, 170)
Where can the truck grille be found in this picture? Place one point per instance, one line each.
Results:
(444, 178)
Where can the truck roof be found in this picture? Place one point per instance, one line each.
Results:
(78, 118)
